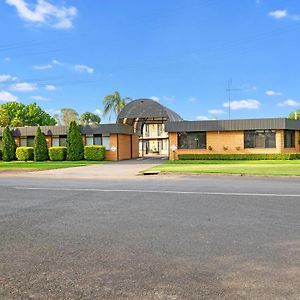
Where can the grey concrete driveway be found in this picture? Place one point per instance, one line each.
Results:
(121, 169)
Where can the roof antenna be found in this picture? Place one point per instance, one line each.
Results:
(229, 90)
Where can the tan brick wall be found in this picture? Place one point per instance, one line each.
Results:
(48, 140)
(135, 146)
(231, 140)
(113, 141)
(17, 140)
(124, 146)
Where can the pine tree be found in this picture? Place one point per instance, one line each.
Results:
(74, 143)
(8, 145)
(40, 146)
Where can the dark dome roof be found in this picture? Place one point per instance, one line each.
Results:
(147, 108)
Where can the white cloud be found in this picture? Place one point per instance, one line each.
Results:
(43, 67)
(169, 98)
(243, 104)
(23, 87)
(8, 97)
(216, 111)
(39, 98)
(4, 78)
(279, 14)
(289, 102)
(98, 112)
(83, 69)
(273, 93)
(155, 98)
(50, 87)
(44, 12)
(56, 62)
(7, 59)
(202, 118)
(192, 99)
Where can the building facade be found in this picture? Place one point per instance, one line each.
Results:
(145, 127)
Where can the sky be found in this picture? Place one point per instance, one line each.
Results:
(181, 53)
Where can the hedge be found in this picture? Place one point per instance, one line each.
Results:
(94, 152)
(268, 156)
(57, 153)
(24, 153)
(0, 154)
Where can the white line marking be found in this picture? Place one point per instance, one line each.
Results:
(156, 192)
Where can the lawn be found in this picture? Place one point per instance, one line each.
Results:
(45, 165)
(261, 167)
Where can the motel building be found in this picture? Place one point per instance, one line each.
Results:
(146, 128)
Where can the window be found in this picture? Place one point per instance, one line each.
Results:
(30, 141)
(192, 140)
(63, 140)
(55, 141)
(97, 139)
(106, 142)
(289, 139)
(23, 142)
(89, 140)
(260, 139)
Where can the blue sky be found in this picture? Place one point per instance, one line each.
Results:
(179, 52)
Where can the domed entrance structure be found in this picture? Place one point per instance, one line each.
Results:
(147, 117)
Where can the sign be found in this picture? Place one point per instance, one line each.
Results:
(173, 148)
(113, 148)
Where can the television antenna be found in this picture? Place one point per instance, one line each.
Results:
(229, 90)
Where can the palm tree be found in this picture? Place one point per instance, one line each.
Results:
(114, 103)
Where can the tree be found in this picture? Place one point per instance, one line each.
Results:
(40, 146)
(114, 103)
(8, 145)
(34, 116)
(68, 115)
(74, 143)
(4, 117)
(295, 115)
(19, 114)
(89, 118)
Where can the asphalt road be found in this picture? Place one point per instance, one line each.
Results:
(201, 237)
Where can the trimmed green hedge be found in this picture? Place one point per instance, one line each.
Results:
(57, 153)
(270, 156)
(94, 152)
(24, 153)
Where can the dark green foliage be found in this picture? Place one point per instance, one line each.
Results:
(24, 153)
(0, 154)
(89, 118)
(8, 145)
(58, 153)
(74, 143)
(40, 146)
(94, 152)
(19, 114)
(269, 156)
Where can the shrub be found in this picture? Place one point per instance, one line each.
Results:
(57, 153)
(24, 153)
(40, 146)
(8, 145)
(0, 154)
(268, 156)
(94, 152)
(74, 143)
